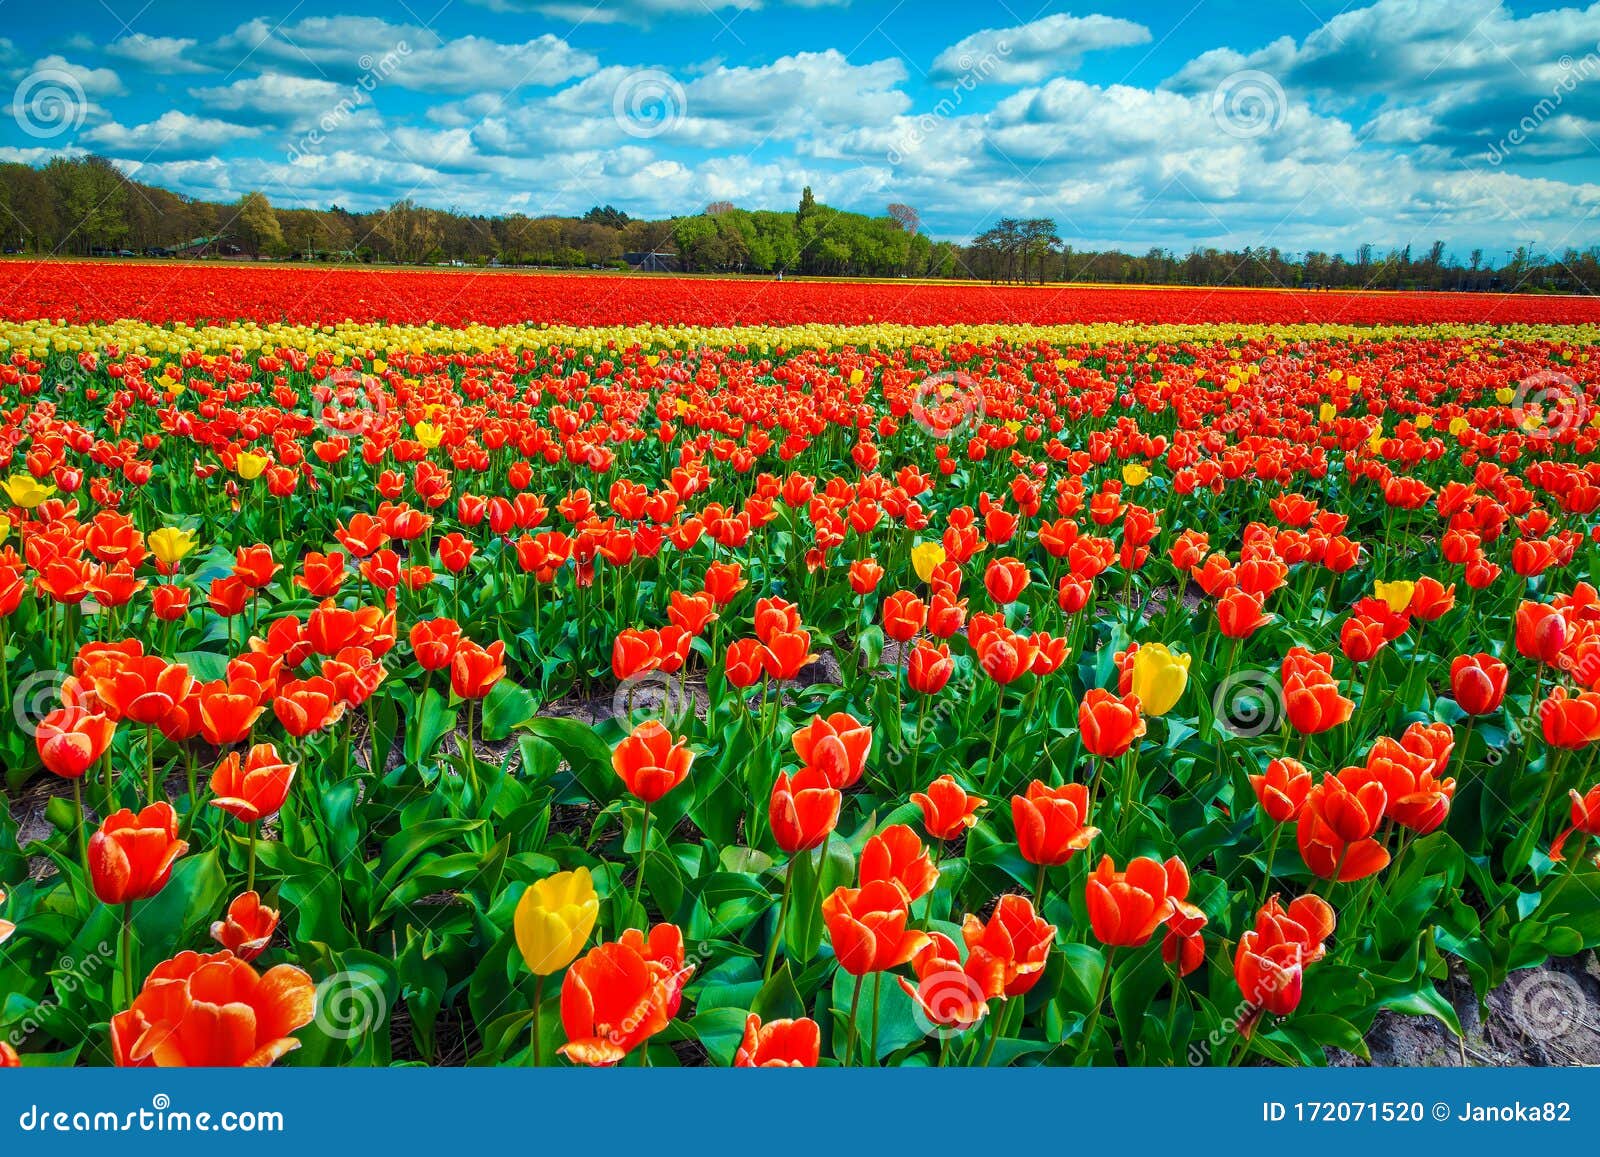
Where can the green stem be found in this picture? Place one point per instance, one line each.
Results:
(534, 1054)
(783, 915)
(850, 1041)
(1094, 1014)
(250, 875)
(644, 850)
(127, 954)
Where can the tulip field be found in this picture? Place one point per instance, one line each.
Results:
(460, 669)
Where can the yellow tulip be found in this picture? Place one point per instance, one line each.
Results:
(1459, 426)
(26, 491)
(1135, 474)
(5, 528)
(1504, 395)
(925, 558)
(170, 544)
(250, 466)
(1159, 677)
(1328, 412)
(428, 434)
(1397, 595)
(1424, 421)
(856, 377)
(554, 918)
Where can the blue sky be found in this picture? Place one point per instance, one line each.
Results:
(1295, 123)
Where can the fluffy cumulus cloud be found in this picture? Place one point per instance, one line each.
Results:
(172, 134)
(642, 12)
(1029, 53)
(162, 54)
(345, 48)
(1457, 77)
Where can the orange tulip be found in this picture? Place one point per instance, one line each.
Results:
(836, 745)
(1570, 721)
(1585, 819)
(1313, 703)
(1282, 789)
(1109, 724)
(71, 739)
(474, 670)
(1336, 826)
(1015, 940)
(1052, 822)
(896, 855)
(143, 688)
(252, 789)
(620, 994)
(1271, 958)
(213, 1011)
(131, 856)
(1478, 683)
(229, 709)
(651, 762)
(947, 809)
(434, 642)
(247, 927)
(867, 928)
(792, 1044)
(1125, 908)
(803, 810)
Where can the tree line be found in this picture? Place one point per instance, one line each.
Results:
(87, 206)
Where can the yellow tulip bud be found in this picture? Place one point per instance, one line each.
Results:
(170, 544)
(1397, 595)
(554, 918)
(428, 434)
(1159, 678)
(925, 557)
(1135, 474)
(26, 491)
(1328, 412)
(5, 528)
(1504, 395)
(1459, 426)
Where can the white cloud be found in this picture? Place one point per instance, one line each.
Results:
(641, 11)
(172, 134)
(1029, 53)
(95, 82)
(164, 54)
(1452, 77)
(344, 48)
(274, 98)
